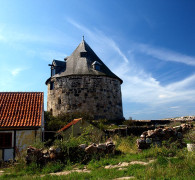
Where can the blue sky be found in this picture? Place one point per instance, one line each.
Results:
(150, 44)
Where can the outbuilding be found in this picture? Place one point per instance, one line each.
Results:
(21, 122)
(78, 126)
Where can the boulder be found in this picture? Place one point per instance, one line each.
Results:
(91, 149)
(82, 146)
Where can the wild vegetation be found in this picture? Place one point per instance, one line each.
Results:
(169, 162)
(54, 123)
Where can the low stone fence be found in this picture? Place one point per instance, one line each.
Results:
(158, 135)
(82, 153)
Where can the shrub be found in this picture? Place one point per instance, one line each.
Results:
(126, 144)
(190, 137)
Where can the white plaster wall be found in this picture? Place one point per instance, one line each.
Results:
(25, 138)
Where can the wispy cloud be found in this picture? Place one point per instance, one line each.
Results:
(187, 83)
(165, 54)
(43, 36)
(139, 86)
(174, 107)
(98, 37)
(16, 71)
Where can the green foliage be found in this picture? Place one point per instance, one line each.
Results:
(126, 144)
(55, 123)
(190, 137)
(39, 144)
(101, 123)
(181, 167)
(70, 148)
(22, 170)
(129, 122)
(88, 136)
(52, 167)
(170, 163)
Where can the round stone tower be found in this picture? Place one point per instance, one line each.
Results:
(83, 83)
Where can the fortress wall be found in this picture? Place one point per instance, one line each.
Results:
(100, 96)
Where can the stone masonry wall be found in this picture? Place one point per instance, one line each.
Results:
(99, 96)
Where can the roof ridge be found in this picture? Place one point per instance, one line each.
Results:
(73, 122)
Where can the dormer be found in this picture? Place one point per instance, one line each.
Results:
(57, 67)
(96, 66)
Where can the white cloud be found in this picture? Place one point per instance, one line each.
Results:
(165, 54)
(16, 71)
(184, 84)
(139, 86)
(99, 38)
(22, 36)
(174, 107)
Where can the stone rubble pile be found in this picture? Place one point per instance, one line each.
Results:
(158, 135)
(42, 156)
(105, 148)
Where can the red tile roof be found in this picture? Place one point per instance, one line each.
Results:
(70, 124)
(21, 109)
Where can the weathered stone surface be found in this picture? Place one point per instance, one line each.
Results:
(92, 149)
(82, 146)
(99, 96)
(158, 135)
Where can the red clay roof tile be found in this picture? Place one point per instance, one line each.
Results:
(21, 109)
(70, 124)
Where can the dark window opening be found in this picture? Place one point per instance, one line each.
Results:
(97, 67)
(51, 85)
(59, 101)
(53, 71)
(5, 140)
(51, 111)
(83, 54)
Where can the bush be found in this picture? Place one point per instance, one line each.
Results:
(126, 144)
(190, 137)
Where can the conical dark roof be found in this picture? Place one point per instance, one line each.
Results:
(83, 61)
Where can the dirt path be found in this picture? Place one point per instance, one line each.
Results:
(1, 173)
(120, 166)
(70, 171)
(124, 178)
(125, 164)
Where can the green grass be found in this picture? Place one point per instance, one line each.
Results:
(170, 163)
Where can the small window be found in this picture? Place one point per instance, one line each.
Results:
(97, 67)
(53, 71)
(51, 85)
(59, 101)
(5, 140)
(51, 111)
(83, 54)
